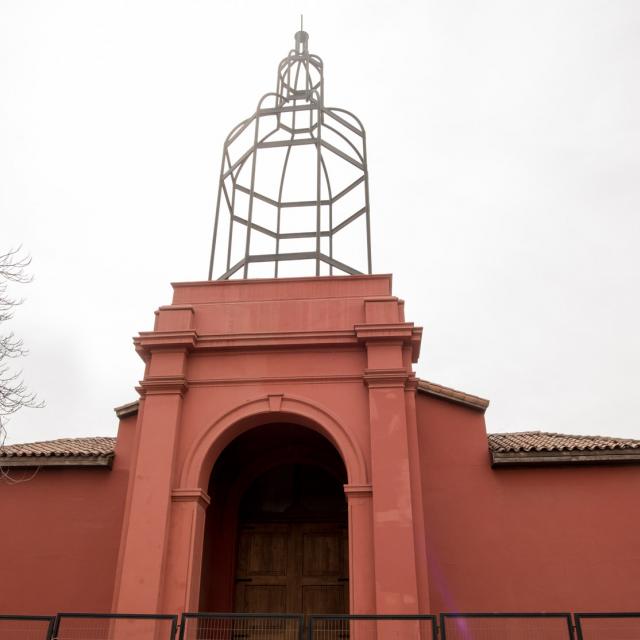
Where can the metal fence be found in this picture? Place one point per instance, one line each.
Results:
(373, 627)
(506, 626)
(122, 626)
(249, 626)
(26, 627)
(241, 626)
(607, 626)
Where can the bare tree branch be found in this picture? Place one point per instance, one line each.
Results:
(14, 394)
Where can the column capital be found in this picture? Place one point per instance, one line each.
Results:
(163, 385)
(383, 378)
(191, 495)
(358, 490)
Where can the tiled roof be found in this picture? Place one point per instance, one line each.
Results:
(63, 452)
(539, 447)
(431, 388)
(541, 441)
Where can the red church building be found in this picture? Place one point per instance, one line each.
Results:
(283, 457)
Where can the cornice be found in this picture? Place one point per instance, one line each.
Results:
(401, 332)
(270, 340)
(385, 378)
(148, 341)
(162, 385)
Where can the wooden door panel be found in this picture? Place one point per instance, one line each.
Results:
(320, 599)
(321, 554)
(271, 598)
(263, 552)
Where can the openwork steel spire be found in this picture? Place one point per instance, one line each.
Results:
(293, 197)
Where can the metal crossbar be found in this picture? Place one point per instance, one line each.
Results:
(26, 627)
(608, 626)
(245, 626)
(372, 627)
(116, 626)
(506, 626)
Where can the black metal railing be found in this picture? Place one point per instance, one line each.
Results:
(115, 626)
(26, 627)
(367, 627)
(282, 626)
(607, 626)
(506, 626)
(241, 626)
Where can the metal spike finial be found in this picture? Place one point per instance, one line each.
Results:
(293, 187)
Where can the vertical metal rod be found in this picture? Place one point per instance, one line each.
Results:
(366, 199)
(254, 157)
(233, 208)
(215, 223)
(330, 198)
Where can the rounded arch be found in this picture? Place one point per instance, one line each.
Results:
(205, 451)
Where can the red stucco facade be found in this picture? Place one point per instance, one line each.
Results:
(431, 525)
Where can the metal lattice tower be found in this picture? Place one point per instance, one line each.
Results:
(293, 183)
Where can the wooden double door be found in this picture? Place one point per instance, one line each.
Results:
(292, 567)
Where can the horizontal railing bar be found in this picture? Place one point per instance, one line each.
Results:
(138, 616)
(364, 616)
(218, 616)
(506, 615)
(623, 614)
(21, 617)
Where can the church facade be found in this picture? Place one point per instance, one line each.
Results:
(296, 463)
(284, 457)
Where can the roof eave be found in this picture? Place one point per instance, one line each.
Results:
(458, 397)
(126, 410)
(56, 461)
(598, 456)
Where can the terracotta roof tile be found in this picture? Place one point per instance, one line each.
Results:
(542, 441)
(96, 447)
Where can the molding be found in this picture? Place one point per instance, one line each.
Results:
(405, 333)
(358, 490)
(385, 378)
(574, 457)
(459, 397)
(126, 410)
(162, 385)
(277, 340)
(149, 341)
(191, 495)
(57, 461)
(224, 382)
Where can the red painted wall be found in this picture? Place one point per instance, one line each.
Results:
(60, 535)
(523, 539)
(243, 354)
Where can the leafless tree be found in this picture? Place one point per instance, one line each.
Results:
(14, 394)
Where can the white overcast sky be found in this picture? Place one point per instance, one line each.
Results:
(504, 158)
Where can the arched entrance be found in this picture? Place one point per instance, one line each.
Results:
(275, 535)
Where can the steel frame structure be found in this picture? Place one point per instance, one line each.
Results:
(293, 116)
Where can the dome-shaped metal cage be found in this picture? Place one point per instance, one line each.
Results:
(293, 197)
